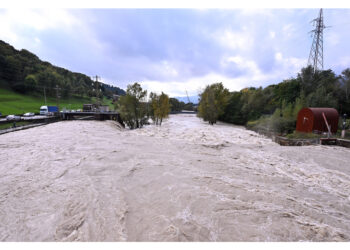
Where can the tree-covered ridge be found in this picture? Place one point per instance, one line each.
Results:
(24, 72)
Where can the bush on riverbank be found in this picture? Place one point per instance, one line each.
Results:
(274, 123)
(301, 135)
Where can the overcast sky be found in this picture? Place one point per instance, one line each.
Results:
(174, 50)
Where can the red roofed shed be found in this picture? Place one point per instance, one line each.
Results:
(311, 120)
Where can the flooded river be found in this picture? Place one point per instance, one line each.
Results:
(183, 181)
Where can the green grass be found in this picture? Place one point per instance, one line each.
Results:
(15, 103)
(301, 135)
(10, 125)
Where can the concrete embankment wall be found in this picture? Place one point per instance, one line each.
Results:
(284, 141)
(343, 143)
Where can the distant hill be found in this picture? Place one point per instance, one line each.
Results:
(194, 99)
(23, 72)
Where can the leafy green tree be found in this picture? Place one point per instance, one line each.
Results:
(31, 82)
(306, 77)
(132, 107)
(287, 91)
(12, 70)
(321, 88)
(344, 99)
(3, 65)
(233, 111)
(253, 102)
(322, 98)
(176, 105)
(67, 90)
(213, 101)
(300, 103)
(188, 106)
(160, 107)
(345, 79)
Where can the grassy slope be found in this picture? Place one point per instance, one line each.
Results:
(15, 103)
(9, 125)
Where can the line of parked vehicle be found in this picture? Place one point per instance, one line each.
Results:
(17, 117)
(43, 112)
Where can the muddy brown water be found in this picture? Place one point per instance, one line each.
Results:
(183, 181)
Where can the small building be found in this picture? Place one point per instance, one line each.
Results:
(311, 120)
(89, 107)
(115, 98)
(104, 108)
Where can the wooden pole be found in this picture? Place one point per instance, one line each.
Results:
(325, 120)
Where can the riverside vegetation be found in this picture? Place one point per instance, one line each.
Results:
(24, 78)
(135, 110)
(275, 107)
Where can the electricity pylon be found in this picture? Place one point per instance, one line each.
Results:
(316, 52)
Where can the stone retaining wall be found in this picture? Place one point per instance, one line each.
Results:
(343, 143)
(284, 141)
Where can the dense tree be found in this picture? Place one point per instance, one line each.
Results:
(188, 106)
(345, 83)
(160, 107)
(132, 107)
(176, 105)
(276, 106)
(213, 101)
(31, 82)
(288, 91)
(253, 102)
(25, 72)
(12, 69)
(306, 77)
(2, 65)
(233, 111)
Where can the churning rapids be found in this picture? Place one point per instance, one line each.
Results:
(183, 181)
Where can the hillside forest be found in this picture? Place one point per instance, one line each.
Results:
(23, 72)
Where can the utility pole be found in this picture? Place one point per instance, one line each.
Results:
(316, 52)
(45, 96)
(57, 97)
(97, 89)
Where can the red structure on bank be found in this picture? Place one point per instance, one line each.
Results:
(311, 120)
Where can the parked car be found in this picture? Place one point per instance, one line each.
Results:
(13, 118)
(28, 114)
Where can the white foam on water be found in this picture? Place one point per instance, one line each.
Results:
(183, 181)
